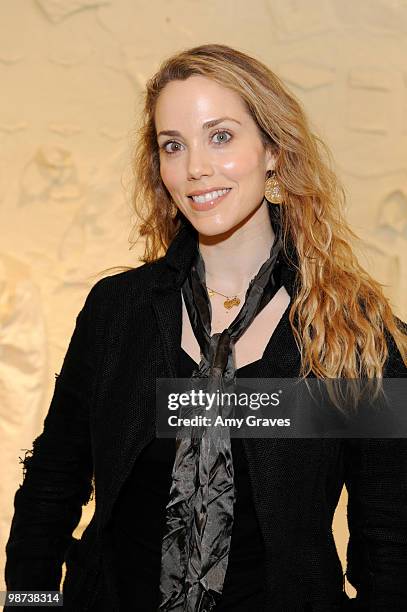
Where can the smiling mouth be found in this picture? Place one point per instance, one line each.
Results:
(209, 197)
(208, 201)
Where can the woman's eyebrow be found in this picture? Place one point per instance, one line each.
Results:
(206, 125)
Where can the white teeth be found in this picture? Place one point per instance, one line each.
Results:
(207, 197)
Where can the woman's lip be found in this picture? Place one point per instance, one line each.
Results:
(210, 204)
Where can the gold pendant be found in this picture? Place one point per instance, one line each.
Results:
(229, 303)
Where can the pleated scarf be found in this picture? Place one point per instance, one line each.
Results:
(199, 514)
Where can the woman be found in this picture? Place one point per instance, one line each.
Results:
(269, 242)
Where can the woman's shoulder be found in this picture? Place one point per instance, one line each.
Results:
(114, 296)
(129, 281)
(395, 367)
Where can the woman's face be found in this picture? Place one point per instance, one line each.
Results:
(196, 157)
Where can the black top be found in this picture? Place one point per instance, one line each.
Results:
(100, 416)
(139, 523)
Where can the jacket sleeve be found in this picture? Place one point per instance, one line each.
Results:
(58, 471)
(376, 481)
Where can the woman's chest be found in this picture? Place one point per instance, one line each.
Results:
(251, 345)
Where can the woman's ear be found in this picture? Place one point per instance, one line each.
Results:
(271, 158)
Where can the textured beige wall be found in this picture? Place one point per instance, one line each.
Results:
(71, 72)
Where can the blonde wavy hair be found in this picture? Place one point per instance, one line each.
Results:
(341, 309)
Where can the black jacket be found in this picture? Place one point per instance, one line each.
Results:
(102, 415)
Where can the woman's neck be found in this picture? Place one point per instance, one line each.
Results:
(234, 258)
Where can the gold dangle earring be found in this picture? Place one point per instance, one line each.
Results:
(272, 190)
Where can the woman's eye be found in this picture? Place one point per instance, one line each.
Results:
(222, 132)
(172, 143)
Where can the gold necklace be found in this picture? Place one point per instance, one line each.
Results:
(230, 301)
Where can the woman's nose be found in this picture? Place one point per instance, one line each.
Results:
(199, 163)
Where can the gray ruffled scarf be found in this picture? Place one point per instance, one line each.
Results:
(199, 514)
